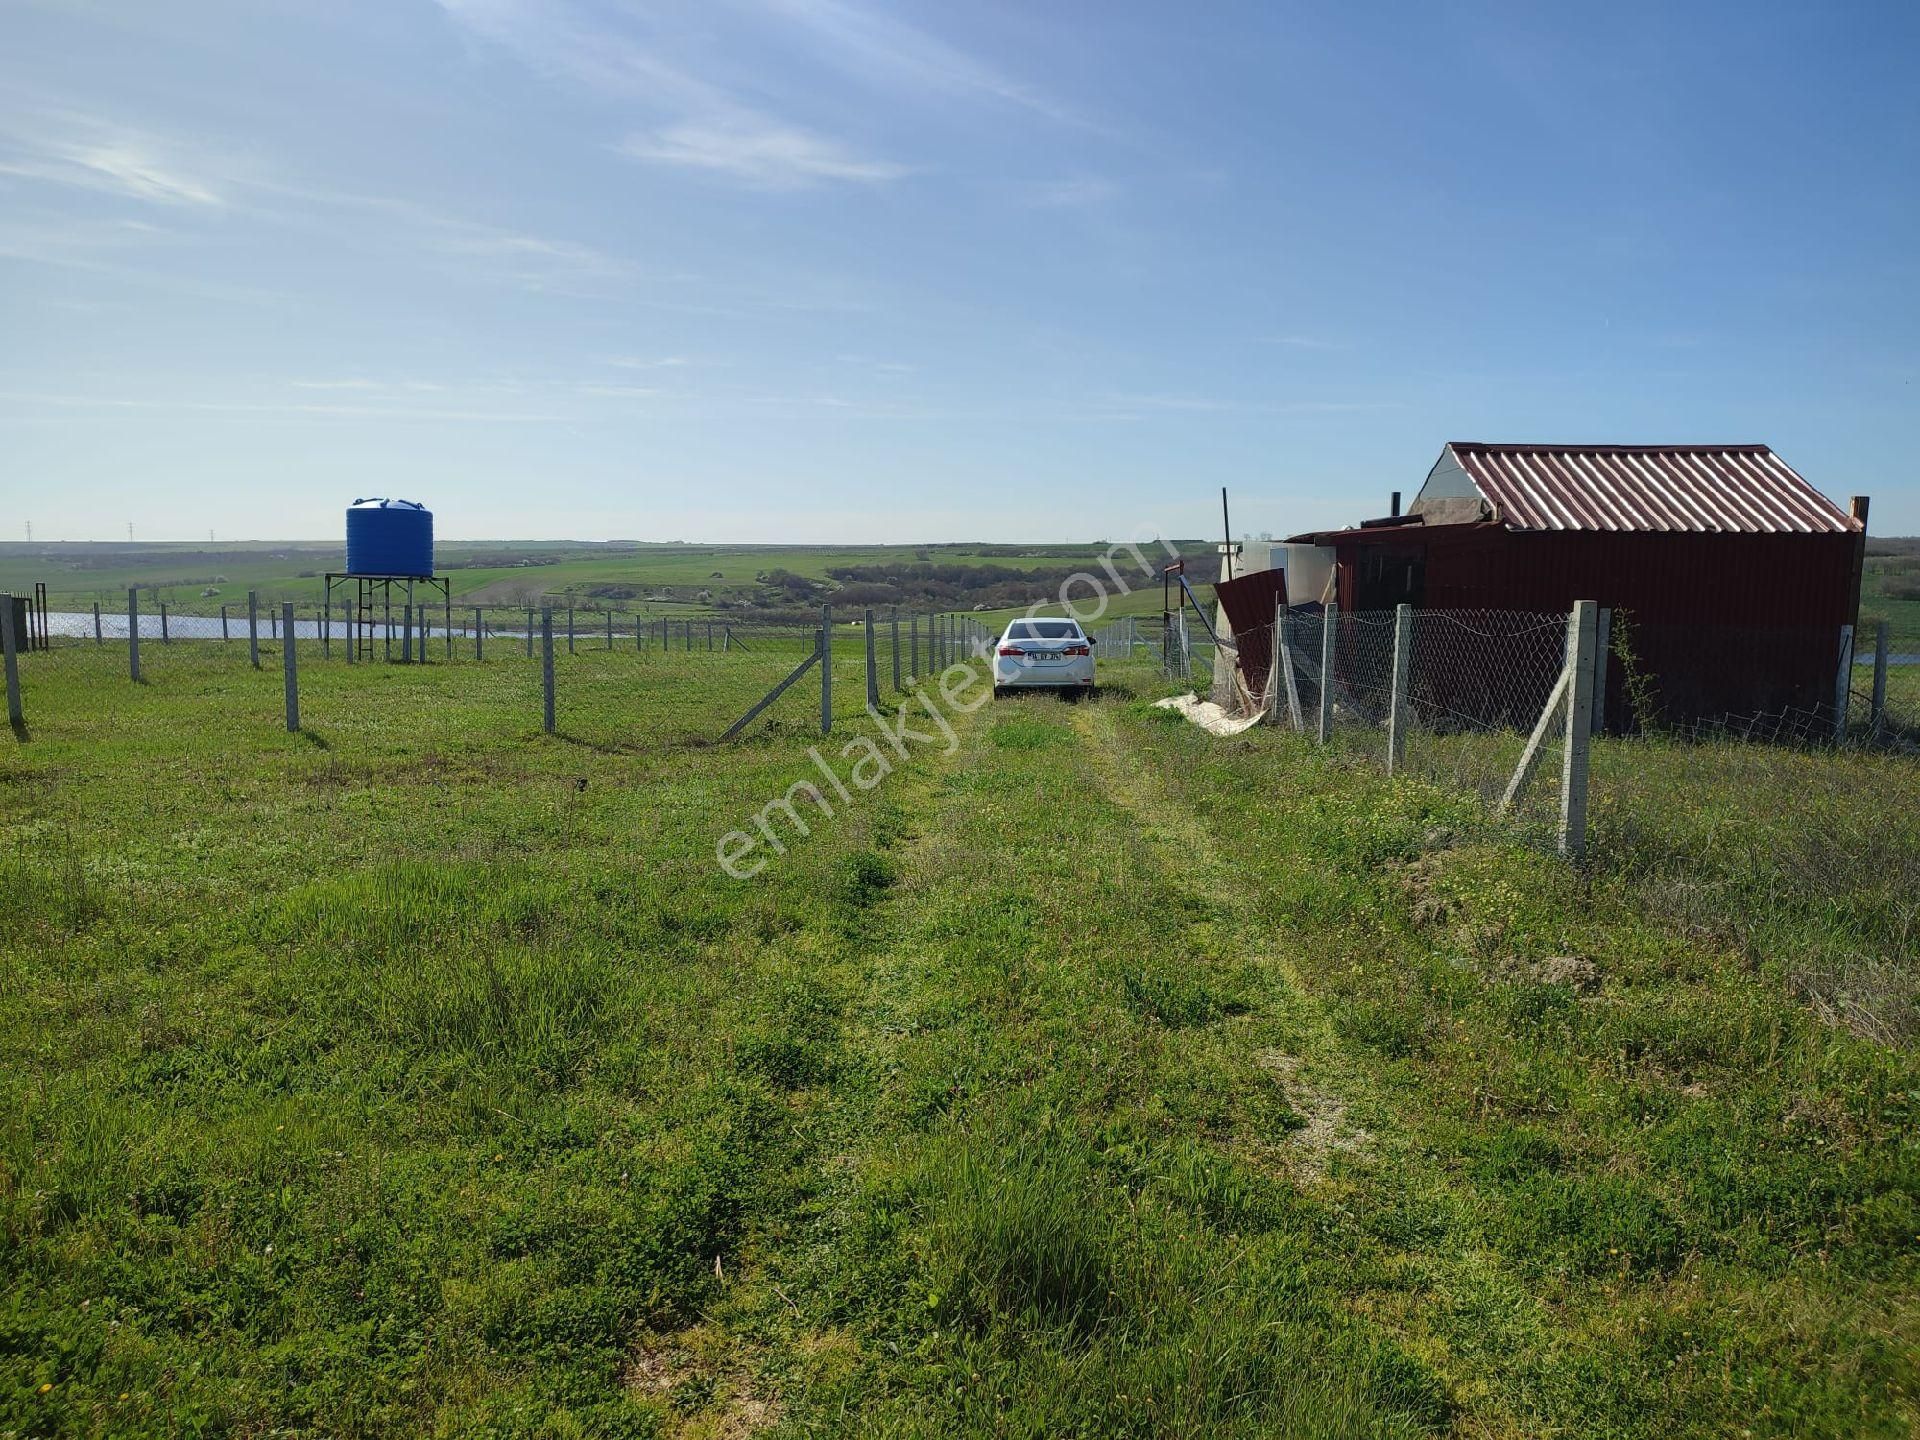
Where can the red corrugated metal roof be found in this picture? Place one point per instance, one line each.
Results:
(1742, 488)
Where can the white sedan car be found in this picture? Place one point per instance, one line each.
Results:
(1043, 653)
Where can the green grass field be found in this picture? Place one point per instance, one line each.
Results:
(664, 578)
(421, 1074)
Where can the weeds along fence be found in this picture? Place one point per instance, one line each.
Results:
(1494, 702)
(606, 677)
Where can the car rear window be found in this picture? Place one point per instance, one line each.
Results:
(1044, 630)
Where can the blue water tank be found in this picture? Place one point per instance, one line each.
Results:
(389, 537)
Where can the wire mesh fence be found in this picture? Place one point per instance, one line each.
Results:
(602, 676)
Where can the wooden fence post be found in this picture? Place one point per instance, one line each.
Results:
(1583, 648)
(546, 664)
(288, 667)
(1398, 718)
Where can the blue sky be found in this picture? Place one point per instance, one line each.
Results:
(820, 270)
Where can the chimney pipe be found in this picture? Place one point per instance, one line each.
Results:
(1857, 508)
(1395, 509)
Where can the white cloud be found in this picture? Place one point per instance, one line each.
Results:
(758, 153)
(700, 124)
(82, 152)
(882, 48)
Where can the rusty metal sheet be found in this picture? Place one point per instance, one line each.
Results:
(1735, 489)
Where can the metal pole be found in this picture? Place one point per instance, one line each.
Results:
(1397, 716)
(253, 627)
(529, 632)
(1879, 673)
(913, 646)
(826, 669)
(1283, 654)
(895, 618)
(546, 663)
(326, 628)
(1573, 766)
(287, 664)
(709, 635)
(165, 639)
(100, 638)
(1329, 650)
(223, 621)
(479, 628)
(570, 649)
(9, 647)
(133, 632)
(1843, 685)
(447, 617)
(353, 635)
(873, 673)
(609, 629)
(1603, 631)
(406, 627)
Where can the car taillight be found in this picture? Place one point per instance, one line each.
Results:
(1078, 650)
(1011, 650)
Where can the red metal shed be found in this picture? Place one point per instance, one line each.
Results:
(1729, 575)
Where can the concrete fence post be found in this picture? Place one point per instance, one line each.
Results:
(873, 672)
(1398, 717)
(288, 667)
(10, 650)
(1879, 674)
(1329, 653)
(1843, 685)
(546, 665)
(1583, 645)
(133, 632)
(253, 627)
(826, 669)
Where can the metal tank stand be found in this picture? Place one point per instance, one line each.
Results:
(373, 605)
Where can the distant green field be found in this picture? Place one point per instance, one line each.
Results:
(674, 577)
